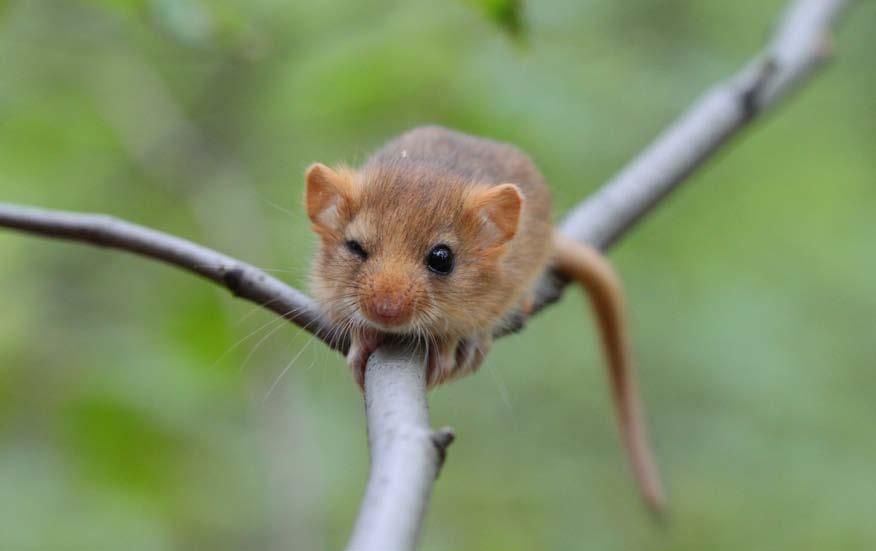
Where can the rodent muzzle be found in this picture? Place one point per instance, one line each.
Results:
(387, 305)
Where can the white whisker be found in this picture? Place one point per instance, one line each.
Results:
(285, 369)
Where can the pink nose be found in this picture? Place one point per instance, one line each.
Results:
(388, 309)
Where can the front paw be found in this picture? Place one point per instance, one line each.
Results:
(361, 348)
(441, 363)
(455, 358)
(470, 354)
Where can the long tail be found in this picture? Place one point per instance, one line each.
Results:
(588, 267)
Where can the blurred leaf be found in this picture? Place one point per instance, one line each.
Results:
(187, 20)
(117, 444)
(508, 14)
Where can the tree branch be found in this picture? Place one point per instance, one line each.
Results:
(800, 43)
(406, 454)
(243, 280)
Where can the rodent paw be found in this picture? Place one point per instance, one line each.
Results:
(361, 348)
(456, 358)
(442, 363)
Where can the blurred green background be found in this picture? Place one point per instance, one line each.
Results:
(135, 402)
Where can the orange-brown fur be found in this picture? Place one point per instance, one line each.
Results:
(490, 205)
(422, 189)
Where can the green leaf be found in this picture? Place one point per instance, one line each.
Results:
(508, 14)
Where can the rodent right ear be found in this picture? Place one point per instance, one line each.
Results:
(328, 197)
(500, 207)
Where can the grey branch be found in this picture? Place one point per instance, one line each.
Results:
(799, 45)
(406, 454)
(801, 42)
(242, 279)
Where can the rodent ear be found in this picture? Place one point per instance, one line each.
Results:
(327, 193)
(501, 206)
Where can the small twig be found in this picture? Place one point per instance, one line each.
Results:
(442, 438)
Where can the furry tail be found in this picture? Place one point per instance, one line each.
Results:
(589, 268)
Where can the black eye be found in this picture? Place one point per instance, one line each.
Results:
(355, 248)
(440, 260)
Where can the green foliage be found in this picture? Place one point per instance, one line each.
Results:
(135, 409)
(508, 14)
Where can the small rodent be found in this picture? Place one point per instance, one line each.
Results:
(439, 235)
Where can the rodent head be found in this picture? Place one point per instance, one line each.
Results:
(409, 250)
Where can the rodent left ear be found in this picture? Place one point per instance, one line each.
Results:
(500, 206)
(327, 193)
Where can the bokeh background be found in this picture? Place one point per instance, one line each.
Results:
(144, 409)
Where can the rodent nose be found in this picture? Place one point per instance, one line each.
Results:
(388, 309)
(388, 300)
